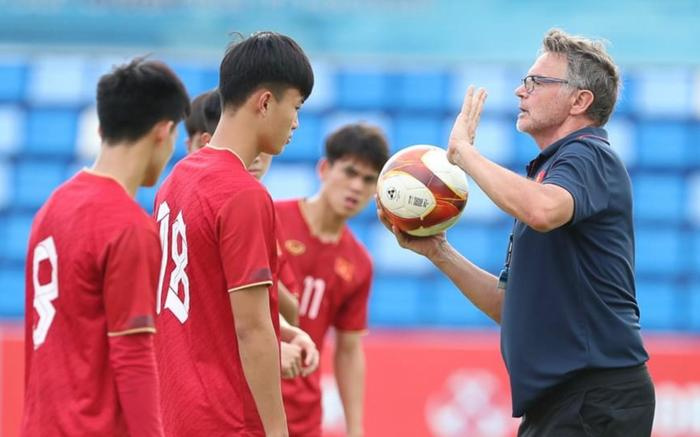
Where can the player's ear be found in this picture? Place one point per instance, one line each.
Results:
(204, 139)
(322, 167)
(162, 131)
(262, 101)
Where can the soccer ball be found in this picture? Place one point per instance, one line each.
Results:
(420, 192)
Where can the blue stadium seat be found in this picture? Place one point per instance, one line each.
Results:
(479, 207)
(693, 304)
(51, 132)
(336, 120)
(306, 143)
(197, 78)
(12, 293)
(623, 139)
(664, 91)
(35, 181)
(495, 139)
(628, 96)
(286, 181)
(451, 308)
(661, 250)
(414, 129)
(13, 79)
(15, 233)
(396, 301)
(390, 258)
(664, 144)
(658, 197)
(11, 128)
(474, 243)
(693, 203)
(422, 90)
(363, 89)
(57, 80)
(6, 179)
(657, 305)
(500, 83)
(323, 95)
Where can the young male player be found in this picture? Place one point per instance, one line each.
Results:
(218, 351)
(92, 271)
(335, 271)
(196, 124)
(299, 356)
(201, 124)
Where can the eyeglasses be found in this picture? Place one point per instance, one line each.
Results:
(530, 81)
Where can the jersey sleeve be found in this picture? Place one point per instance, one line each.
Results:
(131, 277)
(581, 172)
(247, 239)
(352, 315)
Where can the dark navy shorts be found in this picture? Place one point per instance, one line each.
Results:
(595, 403)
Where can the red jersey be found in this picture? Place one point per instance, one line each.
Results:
(335, 281)
(217, 229)
(286, 274)
(92, 271)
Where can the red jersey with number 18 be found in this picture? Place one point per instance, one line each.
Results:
(217, 228)
(335, 279)
(91, 274)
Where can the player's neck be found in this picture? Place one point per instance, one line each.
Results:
(234, 133)
(124, 163)
(322, 221)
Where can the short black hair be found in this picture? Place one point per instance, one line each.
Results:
(361, 141)
(211, 111)
(264, 59)
(195, 122)
(135, 96)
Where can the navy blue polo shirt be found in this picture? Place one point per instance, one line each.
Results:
(570, 299)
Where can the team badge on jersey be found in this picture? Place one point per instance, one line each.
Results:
(344, 268)
(295, 247)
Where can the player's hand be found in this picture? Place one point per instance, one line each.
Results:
(291, 360)
(463, 133)
(426, 246)
(309, 353)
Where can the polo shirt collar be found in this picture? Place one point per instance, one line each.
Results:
(554, 147)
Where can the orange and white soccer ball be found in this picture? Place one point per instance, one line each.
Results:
(420, 192)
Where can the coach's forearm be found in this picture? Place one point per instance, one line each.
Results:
(476, 284)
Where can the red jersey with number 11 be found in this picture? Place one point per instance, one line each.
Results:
(335, 280)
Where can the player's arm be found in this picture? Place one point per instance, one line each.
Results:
(133, 362)
(309, 356)
(476, 284)
(288, 304)
(131, 276)
(259, 352)
(349, 364)
(543, 207)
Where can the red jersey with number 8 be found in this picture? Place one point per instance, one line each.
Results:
(91, 273)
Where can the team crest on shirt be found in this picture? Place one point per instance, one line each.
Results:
(344, 268)
(540, 176)
(295, 247)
